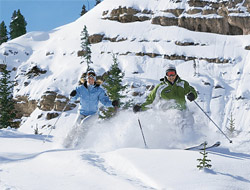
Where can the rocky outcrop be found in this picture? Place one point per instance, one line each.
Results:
(179, 43)
(24, 107)
(52, 115)
(218, 60)
(165, 21)
(47, 101)
(60, 103)
(240, 23)
(218, 25)
(125, 15)
(2, 67)
(81, 53)
(175, 12)
(223, 17)
(152, 55)
(35, 71)
(96, 38)
(50, 101)
(247, 5)
(53, 101)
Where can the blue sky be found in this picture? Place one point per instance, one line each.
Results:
(43, 15)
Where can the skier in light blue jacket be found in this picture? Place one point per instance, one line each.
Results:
(90, 94)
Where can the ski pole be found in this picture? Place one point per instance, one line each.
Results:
(52, 127)
(142, 133)
(213, 122)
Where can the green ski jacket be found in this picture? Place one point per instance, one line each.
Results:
(168, 91)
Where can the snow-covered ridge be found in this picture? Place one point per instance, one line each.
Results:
(147, 50)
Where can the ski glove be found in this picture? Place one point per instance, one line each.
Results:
(115, 103)
(136, 108)
(73, 93)
(191, 96)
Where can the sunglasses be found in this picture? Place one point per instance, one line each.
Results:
(171, 73)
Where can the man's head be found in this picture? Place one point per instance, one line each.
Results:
(91, 76)
(171, 73)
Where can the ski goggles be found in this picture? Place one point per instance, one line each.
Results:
(91, 75)
(171, 73)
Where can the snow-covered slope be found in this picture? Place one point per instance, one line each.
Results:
(56, 52)
(31, 165)
(112, 152)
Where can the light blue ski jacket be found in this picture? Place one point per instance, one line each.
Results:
(90, 96)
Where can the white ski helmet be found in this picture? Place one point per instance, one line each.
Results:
(171, 67)
(91, 73)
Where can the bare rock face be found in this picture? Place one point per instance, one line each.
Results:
(60, 103)
(96, 38)
(49, 101)
(221, 17)
(35, 71)
(242, 23)
(2, 67)
(126, 15)
(165, 21)
(52, 115)
(24, 106)
(175, 12)
(215, 25)
(53, 101)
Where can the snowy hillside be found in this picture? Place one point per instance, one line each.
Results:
(112, 156)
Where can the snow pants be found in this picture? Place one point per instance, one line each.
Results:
(79, 130)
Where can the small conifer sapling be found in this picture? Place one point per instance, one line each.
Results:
(204, 162)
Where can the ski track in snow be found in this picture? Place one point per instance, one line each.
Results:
(90, 157)
(99, 162)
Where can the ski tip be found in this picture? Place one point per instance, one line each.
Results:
(218, 143)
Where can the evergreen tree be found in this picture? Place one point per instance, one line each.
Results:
(97, 2)
(203, 162)
(84, 10)
(231, 128)
(17, 25)
(7, 109)
(113, 86)
(85, 45)
(3, 33)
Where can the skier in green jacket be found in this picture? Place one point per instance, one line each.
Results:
(172, 89)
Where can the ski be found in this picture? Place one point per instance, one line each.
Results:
(212, 146)
(201, 146)
(196, 146)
